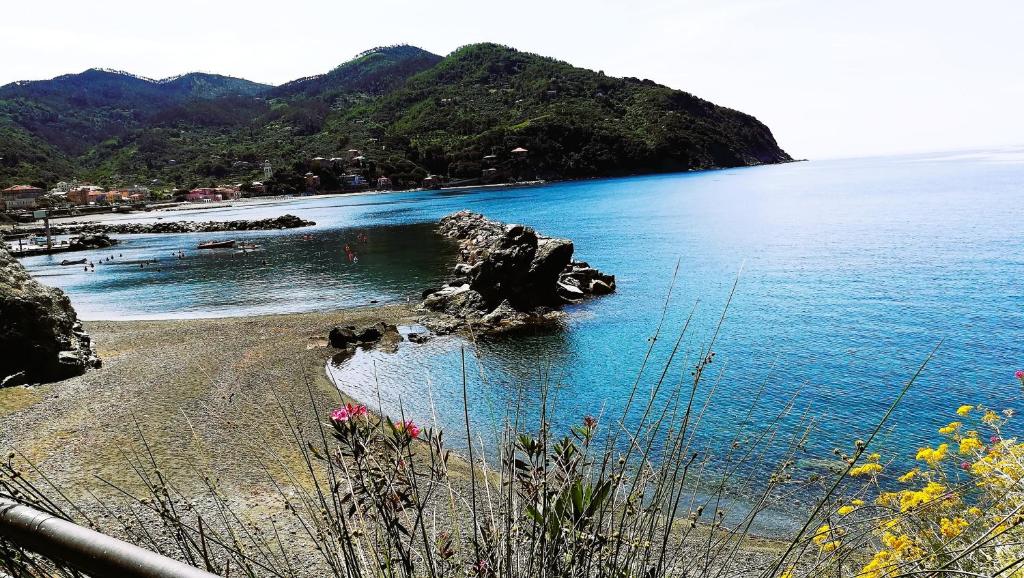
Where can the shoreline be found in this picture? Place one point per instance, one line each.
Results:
(250, 202)
(211, 392)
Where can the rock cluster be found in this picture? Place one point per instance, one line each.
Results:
(282, 222)
(350, 336)
(507, 276)
(41, 338)
(98, 241)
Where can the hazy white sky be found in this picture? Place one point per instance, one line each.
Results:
(830, 78)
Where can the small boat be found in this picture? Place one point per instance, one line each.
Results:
(217, 244)
(248, 246)
(67, 262)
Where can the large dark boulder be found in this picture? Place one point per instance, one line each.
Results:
(40, 335)
(350, 336)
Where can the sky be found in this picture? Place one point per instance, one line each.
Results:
(830, 78)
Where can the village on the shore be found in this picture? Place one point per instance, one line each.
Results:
(344, 174)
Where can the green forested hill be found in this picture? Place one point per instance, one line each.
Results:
(410, 112)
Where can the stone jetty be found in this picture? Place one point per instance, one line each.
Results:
(282, 222)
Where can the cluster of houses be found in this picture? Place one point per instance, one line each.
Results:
(210, 194)
(28, 197)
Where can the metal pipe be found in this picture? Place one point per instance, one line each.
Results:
(86, 550)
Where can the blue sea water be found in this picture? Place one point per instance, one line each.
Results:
(849, 273)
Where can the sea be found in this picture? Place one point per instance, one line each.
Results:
(821, 287)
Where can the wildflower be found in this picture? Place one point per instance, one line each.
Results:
(409, 428)
(968, 445)
(897, 543)
(831, 546)
(994, 439)
(932, 456)
(1019, 374)
(965, 466)
(964, 410)
(845, 510)
(590, 422)
(347, 412)
(990, 417)
(974, 511)
(905, 478)
(952, 427)
(788, 573)
(857, 502)
(870, 469)
(821, 536)
(952, 528)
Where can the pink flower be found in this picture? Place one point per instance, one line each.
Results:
(409, 428)
(965, 466)
(994, 439)
(1020, 374)
(347, 412)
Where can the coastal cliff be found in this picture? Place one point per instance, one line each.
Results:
(40, 334)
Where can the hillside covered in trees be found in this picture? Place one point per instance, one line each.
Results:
(408, 112)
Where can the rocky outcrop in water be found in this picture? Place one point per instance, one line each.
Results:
(508, 276)
(282, 222)
(41, 338)
(99, 241)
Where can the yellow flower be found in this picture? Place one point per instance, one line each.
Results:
(952, 427)
(968, 445)
(788, 573)
(844, 510)
(830, 546)
(905, 478)
(821, 536)
(898, 544)
(974, 511)
(857, 502)
(870, 469)
(879, 565)
(932, 456)
(990, 417)
(952, 528)
(964, 410)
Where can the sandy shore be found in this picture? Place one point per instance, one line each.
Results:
(211, 397)
(203, 387)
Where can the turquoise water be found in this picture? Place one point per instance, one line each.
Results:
(850, 272)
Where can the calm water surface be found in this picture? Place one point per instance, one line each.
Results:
(850, 272)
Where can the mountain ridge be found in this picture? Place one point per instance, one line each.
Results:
(414, 113)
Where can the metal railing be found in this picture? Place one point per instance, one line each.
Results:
(83, 549)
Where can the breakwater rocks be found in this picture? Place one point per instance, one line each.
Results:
(40, 336)
(282, 222)
(507, 276)
(98, 241)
